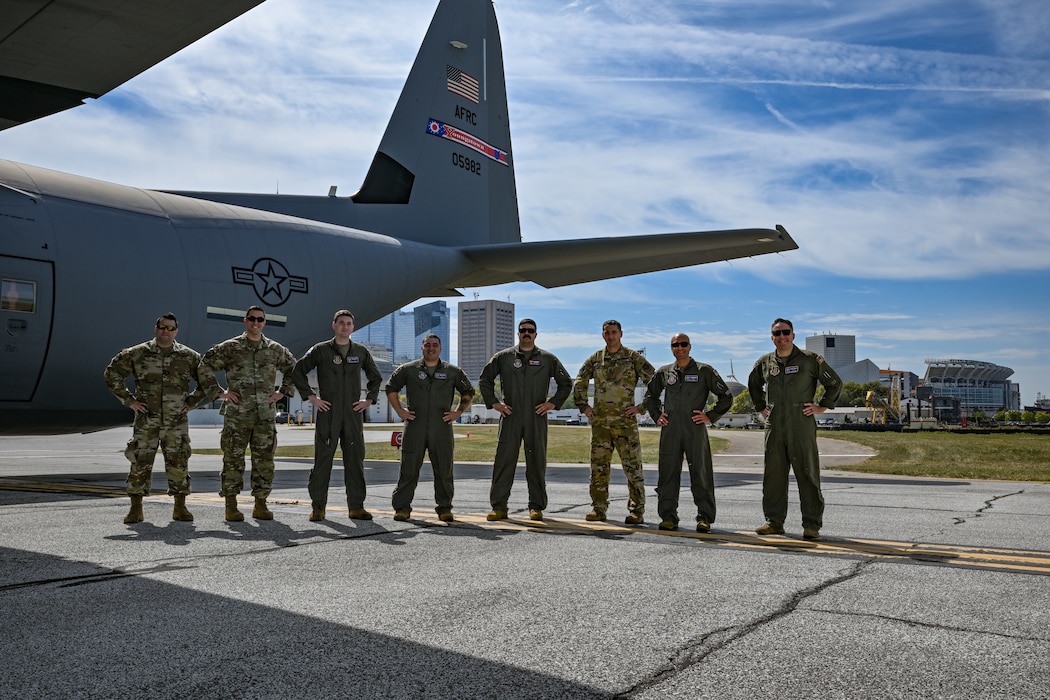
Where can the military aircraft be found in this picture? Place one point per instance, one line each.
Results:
(86, 266)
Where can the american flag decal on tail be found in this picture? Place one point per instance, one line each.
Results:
(462, 84)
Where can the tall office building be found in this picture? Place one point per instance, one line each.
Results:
(839, 351)
(435, 318)
(485, 327)
(398, 336)
(378, 336)
(406, 348)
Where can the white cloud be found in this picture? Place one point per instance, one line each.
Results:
(898, 142)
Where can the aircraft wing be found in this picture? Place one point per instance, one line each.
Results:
(561, 263)
(54, 54)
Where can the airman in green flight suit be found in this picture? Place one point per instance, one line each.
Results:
(783, 387)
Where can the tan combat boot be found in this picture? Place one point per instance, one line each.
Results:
(135, 513)
(232, 514)
(260, 511)
(181, 512)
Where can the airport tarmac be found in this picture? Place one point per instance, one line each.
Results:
(920, 588)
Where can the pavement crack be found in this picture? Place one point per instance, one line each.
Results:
(933, 625)
(103, 577)
(698, 651)
(171, 565)
(991, 501)
(986, 507)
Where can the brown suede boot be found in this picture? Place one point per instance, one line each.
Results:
(260, 511)
(135, 513)
(181, 512)
(232, 514)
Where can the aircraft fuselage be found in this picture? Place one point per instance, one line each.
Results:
(102, 261)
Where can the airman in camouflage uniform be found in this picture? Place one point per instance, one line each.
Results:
(162, 370)
(686, 385)
(251, 362)
(616, 371)
(783, 386)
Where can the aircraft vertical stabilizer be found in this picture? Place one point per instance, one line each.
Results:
(452, 116)
(444, 171)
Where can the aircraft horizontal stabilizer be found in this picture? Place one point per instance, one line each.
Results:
(561, 263)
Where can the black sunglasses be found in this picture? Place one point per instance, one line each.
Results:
(782, 331)
(527, 330)
(680, 344)
(255, 319)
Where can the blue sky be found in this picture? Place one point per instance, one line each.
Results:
(904, 144)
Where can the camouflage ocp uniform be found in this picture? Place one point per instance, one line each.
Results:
(162, 382)
(251, 371)
(615, 375)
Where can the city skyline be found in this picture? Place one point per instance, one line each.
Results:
(658, 354)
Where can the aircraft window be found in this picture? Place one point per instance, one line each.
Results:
(18, 295)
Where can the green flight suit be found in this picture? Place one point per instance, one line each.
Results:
(686, 389)
(785, 385)
(429, 392)
(339, 383)
(525, 379)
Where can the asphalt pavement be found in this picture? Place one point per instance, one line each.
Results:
(920, 588)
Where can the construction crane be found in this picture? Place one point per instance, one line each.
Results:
(886, 410)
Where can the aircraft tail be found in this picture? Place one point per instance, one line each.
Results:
(444, 170)
(447, 151)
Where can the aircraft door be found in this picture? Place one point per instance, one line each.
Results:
(26, 302)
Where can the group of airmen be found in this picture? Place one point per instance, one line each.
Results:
(515, 382)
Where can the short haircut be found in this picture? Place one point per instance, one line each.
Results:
(681, 335)
(343, 312)
(612, 322)
(784, 320)
(435, 336)
(527, 320)
(254, 308)
(171, 317)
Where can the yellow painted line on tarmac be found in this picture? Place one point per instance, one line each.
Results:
(1026, 561)
(51, 487)
(990, 558)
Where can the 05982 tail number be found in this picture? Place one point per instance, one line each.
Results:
(468, 164)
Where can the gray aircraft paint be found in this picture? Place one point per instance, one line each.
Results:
(437, 211)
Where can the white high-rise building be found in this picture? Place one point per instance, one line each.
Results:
(839, 351)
